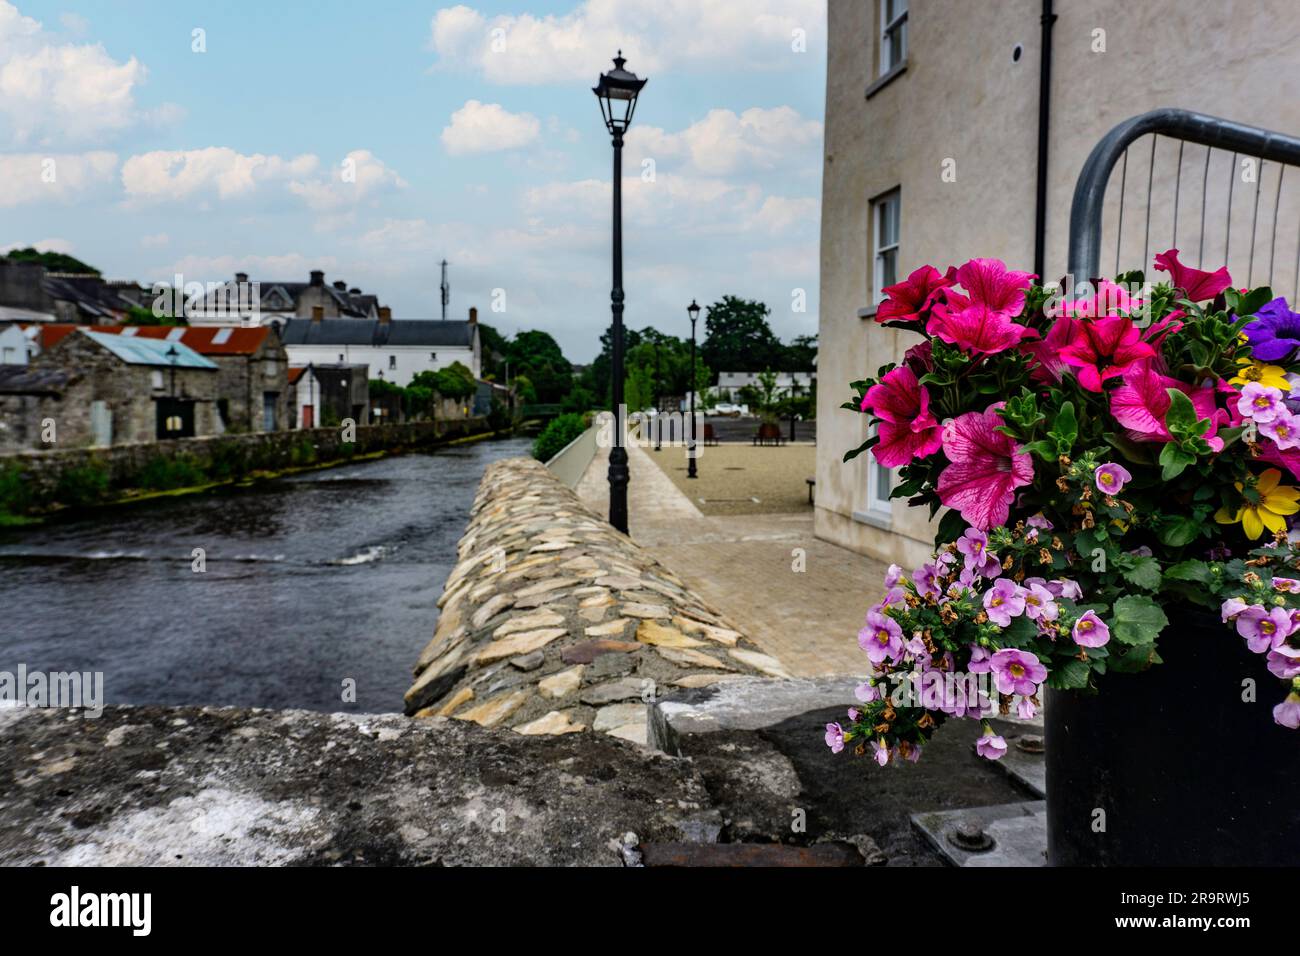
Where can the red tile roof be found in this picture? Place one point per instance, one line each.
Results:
(204, 339)
(295, 373)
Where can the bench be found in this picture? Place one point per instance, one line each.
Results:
(812, 483)
(768, 433)
(710, 436)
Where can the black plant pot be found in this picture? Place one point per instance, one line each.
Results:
(1185, 771)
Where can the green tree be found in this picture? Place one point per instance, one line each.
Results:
(738, 337)
(53, 261)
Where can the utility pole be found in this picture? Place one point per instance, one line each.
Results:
(446, 291)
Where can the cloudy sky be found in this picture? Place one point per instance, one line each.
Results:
(156, 137)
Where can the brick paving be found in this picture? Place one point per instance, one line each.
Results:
(746, 565)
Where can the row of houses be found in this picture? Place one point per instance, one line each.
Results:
(111, 384)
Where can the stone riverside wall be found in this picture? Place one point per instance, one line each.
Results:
(221, 458)
(554, 623)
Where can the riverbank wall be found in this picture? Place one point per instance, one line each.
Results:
(554, 623)
(38, 482)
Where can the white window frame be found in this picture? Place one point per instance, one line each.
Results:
(882, 249)
(878, 501)
(893, 35)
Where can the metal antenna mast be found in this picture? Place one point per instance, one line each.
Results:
(446, 291)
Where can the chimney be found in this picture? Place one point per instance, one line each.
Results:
(340, 285)
(317, 313)
(241, 277)
(354, 291)
(317, 277)
(385, 315)
(473, 315)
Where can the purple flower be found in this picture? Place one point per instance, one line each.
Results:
(913, 753)
(882, 637)
(866, 692)
(880, 751)
(1286, 585)
(990, 746)
(926, 580)
(1264, 628)
(1111, 478)
(1261, 403)
(1279, 665)
(1283, 430)
(1231, 608)
(892, 576)
(1066, 589)
(1275, 333)
(1040, 603)
(1017, 672)
(835, 737)
(1036, 524)
(1004, 601)
(1025, 709)
(1090, 630)
(1287, 713)
(979, 660)
(974, 545)
(854, 714)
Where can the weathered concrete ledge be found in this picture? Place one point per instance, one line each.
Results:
(158, 786)
(554, 623)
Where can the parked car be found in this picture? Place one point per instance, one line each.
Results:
(729, 409)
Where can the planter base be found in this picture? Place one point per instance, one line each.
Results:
(1172, 767)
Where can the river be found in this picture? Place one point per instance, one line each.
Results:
(311, 581)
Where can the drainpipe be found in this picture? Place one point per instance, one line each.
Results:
(1044, 117)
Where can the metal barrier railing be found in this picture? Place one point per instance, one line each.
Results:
(1257, 155)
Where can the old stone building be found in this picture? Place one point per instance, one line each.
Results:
(102, 389)
(253, 392)
(329, 392)
(255, 302)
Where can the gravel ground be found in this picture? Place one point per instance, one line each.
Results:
(737, 479)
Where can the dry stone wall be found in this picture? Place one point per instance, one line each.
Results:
(554, 623)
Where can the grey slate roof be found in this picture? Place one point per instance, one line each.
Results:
(421, 332)
(30, 380)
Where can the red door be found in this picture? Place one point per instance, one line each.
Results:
(308, 417)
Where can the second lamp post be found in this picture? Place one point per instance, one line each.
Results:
(693, 311)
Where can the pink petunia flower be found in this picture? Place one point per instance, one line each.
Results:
(1048, 368)
(986, 467)
(908, 300)
(1105, 348)
(1142, 402)
(1109, 299)
(907, 430)
(1196, 285)
(980, 322)
(1017, 672)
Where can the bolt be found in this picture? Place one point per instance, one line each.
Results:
(1030, 743)
(971, 837)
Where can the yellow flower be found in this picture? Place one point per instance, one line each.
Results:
(1272, 376)
(1266, 505)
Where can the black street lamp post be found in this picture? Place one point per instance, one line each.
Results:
(617, 91)
(693, 311)
(659, 425)
(794, 393)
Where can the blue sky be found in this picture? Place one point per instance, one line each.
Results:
(372, 140)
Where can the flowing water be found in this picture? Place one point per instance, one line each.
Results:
(310, 581)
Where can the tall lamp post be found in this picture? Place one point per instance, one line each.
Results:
(693, 311)
(617, 91)
(659, 429)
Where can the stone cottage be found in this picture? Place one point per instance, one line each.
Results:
(103, 389)
(253, 392)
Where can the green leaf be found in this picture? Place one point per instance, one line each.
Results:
(951, 527)
(1072, 674)
(1197, 571)
(1144, 573)
(1065, 429)
(1174, 460)
(1177, 532)
(1137, 620)
(1139, 453)
(1182, 414)
(1134, 659)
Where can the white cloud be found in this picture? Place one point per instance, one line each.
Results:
(724, 142)
(165, 175)
(33, 177)
(54, 91)
(154, 240)
(678, 34)
(361, 174)
(780, 214)
(486, 127)
(74, 23)
(286, 267)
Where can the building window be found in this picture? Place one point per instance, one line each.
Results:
(433, 356)
(880, 482)
(885, 216)
(340, 357)
(893, 34)
(156, 379)
(392, 361)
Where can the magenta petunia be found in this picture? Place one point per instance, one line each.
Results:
(986, 467)
(974, 327)
(1141, 403)
(908, 300)
(1109, 299)
(1196, 285)
(1104, 348)
(907, 429)
(1048, 368)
